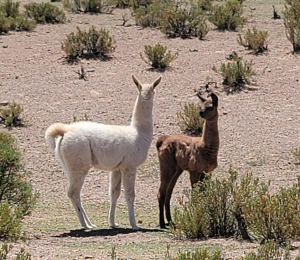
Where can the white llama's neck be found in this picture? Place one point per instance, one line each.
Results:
(142, 115)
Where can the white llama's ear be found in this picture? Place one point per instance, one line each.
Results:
(137, 83)
(156, 82)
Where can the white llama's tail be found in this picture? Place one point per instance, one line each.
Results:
(54, 131)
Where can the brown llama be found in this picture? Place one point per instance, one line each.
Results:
(197, 155)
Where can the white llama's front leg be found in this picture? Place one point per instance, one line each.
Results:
(75, 182)
(114, 193)
(128, 183)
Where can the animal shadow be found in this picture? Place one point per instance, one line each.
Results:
(104, 232)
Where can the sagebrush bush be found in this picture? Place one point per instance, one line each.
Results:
(9, 8)
(11, 19)
(190, 121)
(45, 13)
(150, 15)
(296, 153)
(10, 115)
(199, 254)
(158, 56)
(89, 6)
(236, 74)
(255, 40)
(228, 16)
(91, 43)
(10, 221)
(184, 21)
(15, 188)
(292, 23)
(274, 216)
(6, 248)
(269, 250)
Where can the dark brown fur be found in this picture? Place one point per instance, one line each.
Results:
(178, 153)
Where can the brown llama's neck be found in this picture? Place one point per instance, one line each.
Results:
(210, 133)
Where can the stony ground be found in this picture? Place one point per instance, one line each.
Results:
(259, 127)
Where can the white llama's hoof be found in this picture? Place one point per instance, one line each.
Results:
(136, 228)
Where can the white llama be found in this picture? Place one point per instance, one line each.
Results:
(119, 149)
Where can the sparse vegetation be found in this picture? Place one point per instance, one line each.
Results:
(16, 195)
(89, 6)
(157, 56)
(236, 74)
(12, 20)
(45, 13)
(10, 115)
(292, 23)
(91, 43)
(175, 19)
(190, 121)
(184, 21)
(228, 16)
(269, 250)
(199, 254)
(6, 248)
(255, 40)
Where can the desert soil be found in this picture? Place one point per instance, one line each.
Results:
(259, 126)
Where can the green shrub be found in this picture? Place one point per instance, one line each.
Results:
(254, 40)
(9, 8)
(157, 56)
(44, 13)
(5, 249)
(10, 116)
(274, 217)
(89, 6)
(10, 221)
(190, 121)
(184, 21)
(15, 188)
(11, 19)
(207, 212)
(292, 23)
(228, 16)
(269, 250)
(199, 254)
(91, 43)
(22, 23)
(150, 15)
(236, 74)
(5, 24)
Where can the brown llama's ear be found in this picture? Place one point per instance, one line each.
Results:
(156, 82)
(214, 99)
(200, 97)
(137, 83)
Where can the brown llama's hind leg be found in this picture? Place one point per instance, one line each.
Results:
(169, 192)
(167, 177)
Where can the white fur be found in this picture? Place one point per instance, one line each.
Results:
(119, 149)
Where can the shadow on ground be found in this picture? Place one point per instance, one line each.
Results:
(105, 232)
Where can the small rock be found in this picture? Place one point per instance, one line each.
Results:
(4, 103)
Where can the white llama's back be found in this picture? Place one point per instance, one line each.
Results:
(105, 147)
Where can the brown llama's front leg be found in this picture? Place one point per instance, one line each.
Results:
(195, 177)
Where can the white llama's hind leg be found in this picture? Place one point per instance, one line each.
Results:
(75, 182)
(128, 183)
(114, 193)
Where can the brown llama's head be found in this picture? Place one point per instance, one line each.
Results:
(209, 107)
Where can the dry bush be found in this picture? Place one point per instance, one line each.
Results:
(91, 43)
(254, 40)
